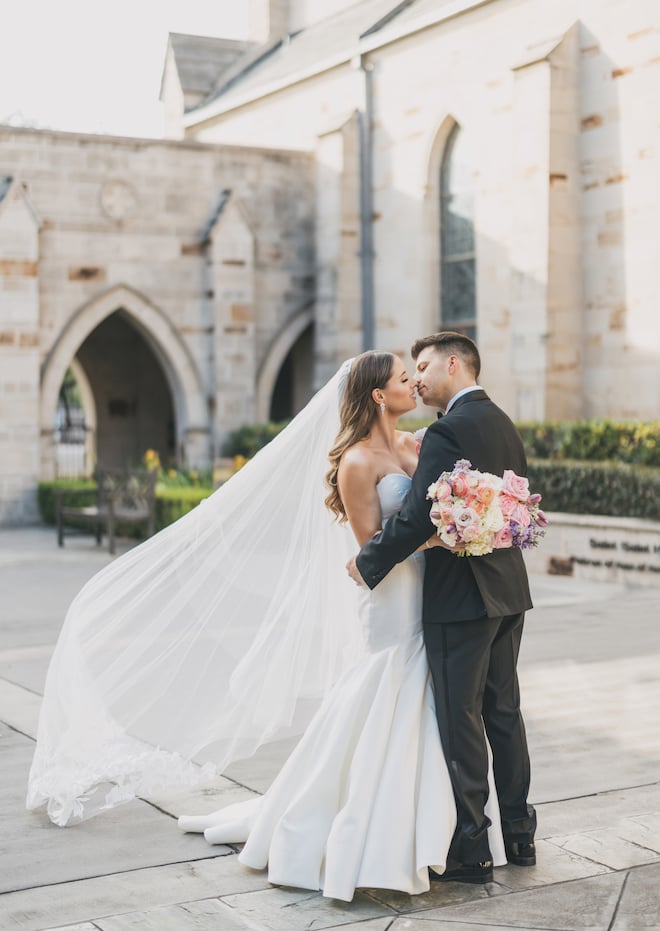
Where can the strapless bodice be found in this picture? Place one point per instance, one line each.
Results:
(392, 489)
(391, 613)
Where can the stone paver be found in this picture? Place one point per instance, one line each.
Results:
(189, 916)
(639, 905)
(19, 708)
(554, 865)
(125, 892)
(200, 800)
(429, 924)
(609, 847)
(590, 675)
(37, 853)
(585, 905)
(599, 810)
(283, 909)
(438, 896)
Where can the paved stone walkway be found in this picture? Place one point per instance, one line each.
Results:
(590, 674)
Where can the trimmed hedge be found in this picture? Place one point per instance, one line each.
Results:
(594, 441)
(611, 489)
(586, 467)
(584, 440)
(251, 437)
(79, 492)
(171, 503)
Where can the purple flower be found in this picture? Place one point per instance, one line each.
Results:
(462, 465)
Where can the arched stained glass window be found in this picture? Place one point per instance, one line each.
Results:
(458, 305)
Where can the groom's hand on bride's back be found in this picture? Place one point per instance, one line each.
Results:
(354, 572)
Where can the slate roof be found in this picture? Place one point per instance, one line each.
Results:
(330, 39)
(318, 42)
(201, 59)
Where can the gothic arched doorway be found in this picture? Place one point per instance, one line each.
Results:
(133, 401)
(154, 359)
(293, 385)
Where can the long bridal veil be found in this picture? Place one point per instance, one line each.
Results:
(219, 634)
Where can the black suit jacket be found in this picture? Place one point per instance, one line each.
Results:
(456, 588)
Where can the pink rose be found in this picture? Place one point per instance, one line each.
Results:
(443, 491)
(485, 494)
(472, 501)
(521, 515)
(461, 486)
(515, 485)
(507, 505)
(442, 517)
(503, 539)
(465, 517)
(419, 436)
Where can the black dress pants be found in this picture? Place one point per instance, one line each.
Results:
(473, 665)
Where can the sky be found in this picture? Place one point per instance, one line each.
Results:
(94, 66)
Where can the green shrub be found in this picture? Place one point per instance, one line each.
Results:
(594, 441)
(414, 423)
(250, 438)
(171, 502)
(611, 489)
(78, 493)
(584, 440)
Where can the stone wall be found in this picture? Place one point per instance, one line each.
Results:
(554, 98)
(606, 549)
(19, 356)
(132, 225)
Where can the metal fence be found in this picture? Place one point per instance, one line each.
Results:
(74, 444)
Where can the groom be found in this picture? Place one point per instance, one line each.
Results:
(473, 611)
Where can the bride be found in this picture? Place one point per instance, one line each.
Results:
(237, 626)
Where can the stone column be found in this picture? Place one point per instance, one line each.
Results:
(546, 298)
(564, 363)
(338, 329)
(19, 356)
(232, 275)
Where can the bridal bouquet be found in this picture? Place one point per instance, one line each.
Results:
(482, 512)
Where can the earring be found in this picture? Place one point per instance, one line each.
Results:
(382, 407)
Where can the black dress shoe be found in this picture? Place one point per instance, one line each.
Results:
(465, 873)
(520, 854)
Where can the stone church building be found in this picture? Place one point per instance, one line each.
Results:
(354, 174)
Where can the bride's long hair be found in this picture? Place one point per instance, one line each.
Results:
(358, 411)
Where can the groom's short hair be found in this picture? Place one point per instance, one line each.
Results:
(449, 342)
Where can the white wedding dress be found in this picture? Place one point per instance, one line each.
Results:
(365, 799)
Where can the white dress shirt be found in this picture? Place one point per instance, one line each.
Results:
(459, 394)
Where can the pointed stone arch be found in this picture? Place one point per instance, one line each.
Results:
(176, 360)
(434, 150)
(277, 353)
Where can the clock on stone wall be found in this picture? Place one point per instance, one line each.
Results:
(118, 200)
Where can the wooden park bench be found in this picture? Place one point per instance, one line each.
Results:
(123, 496)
